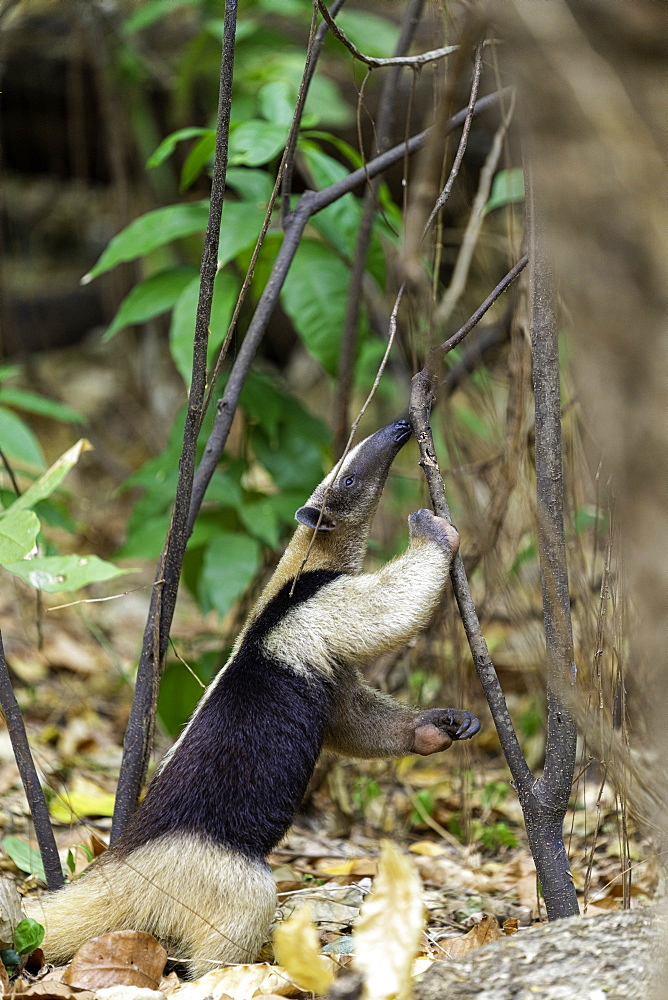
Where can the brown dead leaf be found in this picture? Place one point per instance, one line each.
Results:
(127, 958)
(49, 989)
(4, 978)
(511, 926)
(484, 932)
(97, 846)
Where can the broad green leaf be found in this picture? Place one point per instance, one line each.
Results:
(32, 403)
(197, 159)
(18, 532)
(18, 441)
(52, 478)
(149, 13)
(154, 229)
(261, 520)
(28, 935)
(53, 574)
(26, 858)
(9, 371)
(240, 228)
(373, 35)
(146, 539)
(507, 188)
(168, 145)
(314, 297)
(70, 807)
(277, 102)
(255, 142)
(182, 329)
(230, 563)
(151, 297)
(251, 185)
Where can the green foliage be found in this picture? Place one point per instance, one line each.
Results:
(26, 858)
(19, 529)
(507, 189)
(423, 805)
(495, 835)
(364, 792)
(28, 935)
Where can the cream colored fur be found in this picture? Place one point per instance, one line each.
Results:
(205, 903)
(374, 612)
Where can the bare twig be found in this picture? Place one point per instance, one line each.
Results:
(349, 335)
(139, 733)
(461, 270)
(315, 43)
(461, 149)
(419, 413)
(422, 59)
(36, 801)
(475, 317)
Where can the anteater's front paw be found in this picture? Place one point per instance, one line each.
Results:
(436, 729)
(425, 524)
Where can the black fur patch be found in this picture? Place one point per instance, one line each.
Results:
(242, 767)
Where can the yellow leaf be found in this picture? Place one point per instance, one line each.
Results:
(297, 949)
(389, 930)
(73, 806)
(351, 866)
(427, 849)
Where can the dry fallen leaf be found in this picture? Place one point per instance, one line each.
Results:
(511, 926)
(427, 849)
(297, 949)
(351, 866)
(389, 929)
(127, 958)
(49, 989)
(4, 978)
(238, 982)
(10, 912)
(484, 932)
(128, 993)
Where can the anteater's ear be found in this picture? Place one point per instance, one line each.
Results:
(310, 515)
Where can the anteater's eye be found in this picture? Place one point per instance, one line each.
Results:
(349, 481)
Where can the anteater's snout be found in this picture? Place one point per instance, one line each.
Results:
(402, 431)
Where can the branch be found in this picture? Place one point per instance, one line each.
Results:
(419, 413)
(376, 63)
(139, 734)
(36, 801)
(315, 43)
(555, 784)
(349, 336)
(475, 317)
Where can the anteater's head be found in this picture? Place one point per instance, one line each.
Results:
(343, 505)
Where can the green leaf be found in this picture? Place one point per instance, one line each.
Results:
(277, 102)
(149, 13)
(255, 142)
(17, 535)
(182, 329)
(230, 563)
(32, 403)
(26, 858)
(151, 297)
(314, 297)
(18, 441)
(373, 35)
(240, 228)
(197, 159)
(51, 479)
(507, 188)
(154, 229)
(260, 518)
(250, 185)
(53, 574)
(28, 935)
(168, 145)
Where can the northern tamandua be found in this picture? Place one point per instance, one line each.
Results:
(190, 868)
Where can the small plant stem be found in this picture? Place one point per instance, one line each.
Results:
(349, 336)
(139, 734)
(33, 789)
